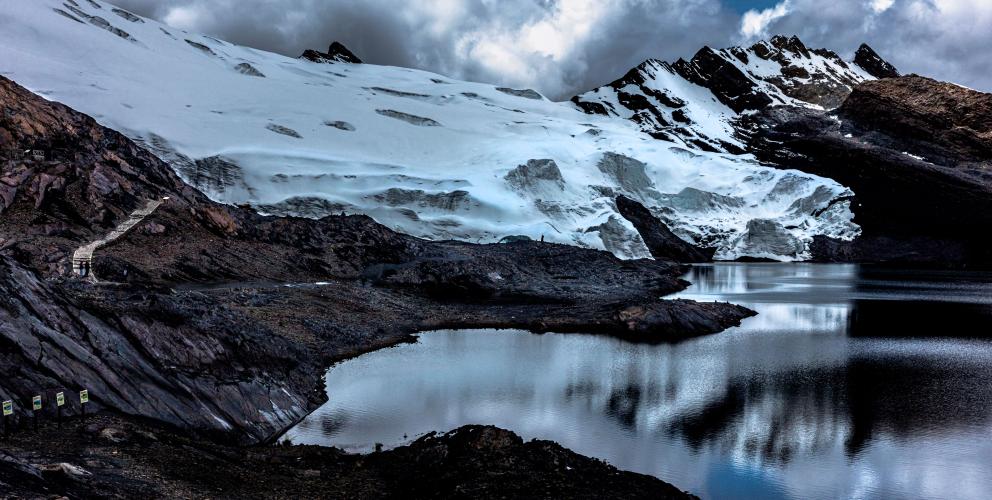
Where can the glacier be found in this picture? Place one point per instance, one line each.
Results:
(419, 152)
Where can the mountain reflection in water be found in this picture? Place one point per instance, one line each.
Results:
(851, 382)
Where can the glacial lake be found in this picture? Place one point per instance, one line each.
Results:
(852, 382)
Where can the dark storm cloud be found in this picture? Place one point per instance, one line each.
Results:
(566, 46)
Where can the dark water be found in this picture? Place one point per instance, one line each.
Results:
(851, 383)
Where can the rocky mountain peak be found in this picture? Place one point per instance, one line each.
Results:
(867, 59)
(664, 100)
(337, 52)
(791, 44)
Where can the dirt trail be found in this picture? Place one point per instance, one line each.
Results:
(82, 258)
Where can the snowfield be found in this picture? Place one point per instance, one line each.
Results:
(419, 152)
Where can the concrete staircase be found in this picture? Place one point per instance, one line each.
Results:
(82, 258)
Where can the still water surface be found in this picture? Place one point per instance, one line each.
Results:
(852, 382)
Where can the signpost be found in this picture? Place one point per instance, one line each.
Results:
(35, 408)
(8, 410)
(59, 403)
(84, 397)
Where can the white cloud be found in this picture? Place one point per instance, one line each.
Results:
(755, 23)
(538, 51)
(880, 6)
(185, 17)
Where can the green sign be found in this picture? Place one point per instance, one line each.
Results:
(36, 403)
(8, 408)
(60, 399)
(84, 396)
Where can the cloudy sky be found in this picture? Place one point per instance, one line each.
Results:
(561, 47)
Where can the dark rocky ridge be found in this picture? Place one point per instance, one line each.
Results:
(870, 61)
(661, 241)
(916, 152)
(107, 457)
(337, 52)
(731, 78)
(194, 327)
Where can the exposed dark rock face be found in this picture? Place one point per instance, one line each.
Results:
(447, 201)
(127, 15)
(150, 357)
(470, 462)
(335, 53)
(916, 152)
(660, 240)
(419, 121)
(248, 69)
(215, 174)
(946, 124)
(728, 83)
(201, 47)
(279, 129)
(525, 93)
(96, 21)
(340, 125)
(870, 61)
(196, 328)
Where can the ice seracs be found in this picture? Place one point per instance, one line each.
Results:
(423, 153)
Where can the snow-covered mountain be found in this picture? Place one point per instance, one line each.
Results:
(694, 102)
(426, 154)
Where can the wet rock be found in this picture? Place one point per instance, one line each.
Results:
(660, 241)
